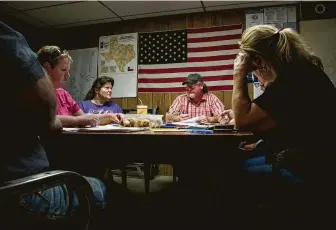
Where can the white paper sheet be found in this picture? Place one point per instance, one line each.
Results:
(191, 120)
(107, 128)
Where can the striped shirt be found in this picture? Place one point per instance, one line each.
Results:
(209, 106)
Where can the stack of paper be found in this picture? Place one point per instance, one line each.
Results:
(111, 128)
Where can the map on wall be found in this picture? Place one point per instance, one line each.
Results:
(118, 59)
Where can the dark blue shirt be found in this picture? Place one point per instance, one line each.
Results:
(21, 151)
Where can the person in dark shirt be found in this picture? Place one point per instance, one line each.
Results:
(297, 109)
(28, 113)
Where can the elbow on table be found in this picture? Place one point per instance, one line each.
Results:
(241, 123)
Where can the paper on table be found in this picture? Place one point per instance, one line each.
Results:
(70, 129)
(167, 130)
(108, 128)
(191, 125)
(191, 120)
(184, 123)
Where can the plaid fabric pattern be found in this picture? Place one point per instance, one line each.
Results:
(209, 106)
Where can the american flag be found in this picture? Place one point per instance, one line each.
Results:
(167, 58)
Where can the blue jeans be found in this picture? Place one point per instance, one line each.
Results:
(55, 201)
(258, 165)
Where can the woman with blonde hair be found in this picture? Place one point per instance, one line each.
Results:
(299, 96)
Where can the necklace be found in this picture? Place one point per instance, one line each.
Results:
(96, 102)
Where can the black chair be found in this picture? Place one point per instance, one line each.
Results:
(13, 216)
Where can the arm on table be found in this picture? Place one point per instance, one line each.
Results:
(175, 113)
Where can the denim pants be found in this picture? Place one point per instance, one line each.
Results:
(257, 165)
(55, 201)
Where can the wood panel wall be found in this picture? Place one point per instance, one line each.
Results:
(88, 36)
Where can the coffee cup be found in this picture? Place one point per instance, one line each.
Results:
(142, 109)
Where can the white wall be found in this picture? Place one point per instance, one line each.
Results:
(321, 35)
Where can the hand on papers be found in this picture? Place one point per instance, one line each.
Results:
(202, 119)
(185, 117)
(108, 118)
(227, 117)
(228, 113)
(120, 117)
(87, 119)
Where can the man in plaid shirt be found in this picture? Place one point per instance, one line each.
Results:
(198, 103)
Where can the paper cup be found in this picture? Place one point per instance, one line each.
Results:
(142, 109)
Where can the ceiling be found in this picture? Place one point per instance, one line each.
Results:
(61, 14)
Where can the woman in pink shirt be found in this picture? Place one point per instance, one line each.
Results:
(57, 65)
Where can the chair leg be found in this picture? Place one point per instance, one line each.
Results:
(124, 176)
(174, 174)
(108, 175)
(147, 176)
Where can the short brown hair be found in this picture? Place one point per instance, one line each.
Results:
(52, 55)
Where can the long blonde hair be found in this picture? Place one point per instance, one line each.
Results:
(280, 47)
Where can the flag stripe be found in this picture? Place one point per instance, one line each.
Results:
(212, 48)
(179, 84)
(213, 29)
(184, 75)
(187, 64)
(215, 43)
(181, 79)
(186, 69)
(213, 34)
(212, 58)
(213, 53)
(210, 52)
(214, 39)
(181, 89)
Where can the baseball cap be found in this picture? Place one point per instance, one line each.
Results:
(193, 79)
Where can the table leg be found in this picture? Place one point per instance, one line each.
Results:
(174, 174)
(124, 176)
(147, 176)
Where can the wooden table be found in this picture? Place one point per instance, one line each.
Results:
(88, 151)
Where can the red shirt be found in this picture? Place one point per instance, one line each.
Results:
(209, 106)
(65, 104)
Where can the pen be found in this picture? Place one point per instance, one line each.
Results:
(169, 125)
